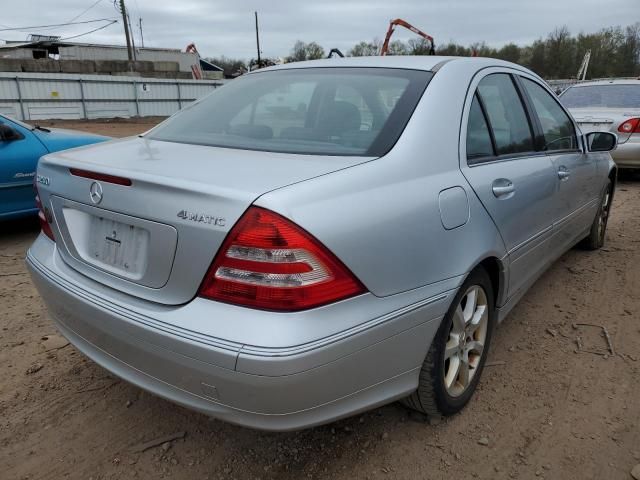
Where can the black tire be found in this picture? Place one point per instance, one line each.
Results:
(431, 397)
(595, 239)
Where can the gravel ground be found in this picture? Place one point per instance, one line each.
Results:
(541, 411)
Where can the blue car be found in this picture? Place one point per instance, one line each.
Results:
(21, 146)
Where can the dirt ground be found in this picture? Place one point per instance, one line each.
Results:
(542, 410)
(116, 127)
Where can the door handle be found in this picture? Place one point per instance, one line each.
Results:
(503, 188)
(563, 173)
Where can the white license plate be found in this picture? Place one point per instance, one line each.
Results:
(118, 245)
(594, 127)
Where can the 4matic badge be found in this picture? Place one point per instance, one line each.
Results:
(202, 218)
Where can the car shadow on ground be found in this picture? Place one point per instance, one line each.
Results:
(28, 225)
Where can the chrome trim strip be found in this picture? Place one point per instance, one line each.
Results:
(530, 239)
(288, 351)
(576, 212)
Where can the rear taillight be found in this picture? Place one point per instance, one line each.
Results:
(44, 215)
(268, 262)
(630, 126)
(103, 177)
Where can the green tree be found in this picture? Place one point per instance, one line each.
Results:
(454, 50)
(397, 47)
(365, 49)
(305, 51)
(418, 46)
(627, 60)
(561, 54)
(510, 52)
(314, 51)
(537, 58)
(230, 66)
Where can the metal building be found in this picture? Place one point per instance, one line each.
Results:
(49, 55)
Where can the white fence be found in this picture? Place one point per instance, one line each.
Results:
(33, 96)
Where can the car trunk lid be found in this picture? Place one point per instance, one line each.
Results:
(156, 237)
(603, 120)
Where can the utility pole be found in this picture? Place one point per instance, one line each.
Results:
(125, 22)
(258, 41)
(133, 39)
(141, 35)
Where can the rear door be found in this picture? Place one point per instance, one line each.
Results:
(577, 174)
(515, 183)
(18, 160)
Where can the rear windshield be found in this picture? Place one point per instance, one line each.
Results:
(320, 111)
(602, 96)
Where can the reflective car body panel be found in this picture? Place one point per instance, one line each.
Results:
(410, 225)
(18, 160)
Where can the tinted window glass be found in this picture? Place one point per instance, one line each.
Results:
(603, 96)
(478, 137)
(324, 111)
(557, 128)
(506, 114)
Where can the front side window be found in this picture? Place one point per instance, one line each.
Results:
(557, 128)
(479, 145)
(506, 114)
(322, 111)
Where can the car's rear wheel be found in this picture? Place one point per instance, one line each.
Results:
(454, 363)
(595, 239)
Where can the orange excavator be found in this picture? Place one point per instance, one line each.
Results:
(408, 26)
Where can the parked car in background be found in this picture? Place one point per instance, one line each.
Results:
(609, 106)
(315, 239)
(21, 146)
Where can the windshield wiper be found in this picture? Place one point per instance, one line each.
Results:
(42, 129)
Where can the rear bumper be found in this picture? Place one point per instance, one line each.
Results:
(272, 389)
(627, 155)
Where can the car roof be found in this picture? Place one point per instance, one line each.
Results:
(608, 81)
(418, 62)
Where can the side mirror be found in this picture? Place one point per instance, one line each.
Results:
(8, 134)
(601, 141)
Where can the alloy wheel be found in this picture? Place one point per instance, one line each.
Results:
(604, 215)
(465, 345)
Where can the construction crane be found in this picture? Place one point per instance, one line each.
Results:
(582, 71)
(195, 68)
(408, 26)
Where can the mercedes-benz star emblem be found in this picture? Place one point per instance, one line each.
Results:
(95, 193)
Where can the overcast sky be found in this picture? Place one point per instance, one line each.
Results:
(227, 27)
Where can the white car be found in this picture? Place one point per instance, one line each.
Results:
(609, 106)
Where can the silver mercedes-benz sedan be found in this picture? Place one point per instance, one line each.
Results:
(316, 239)
(609, 105)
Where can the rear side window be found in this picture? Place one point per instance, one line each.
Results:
(506, 114)
(556, 125)
(479, 143)
(321, 111)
